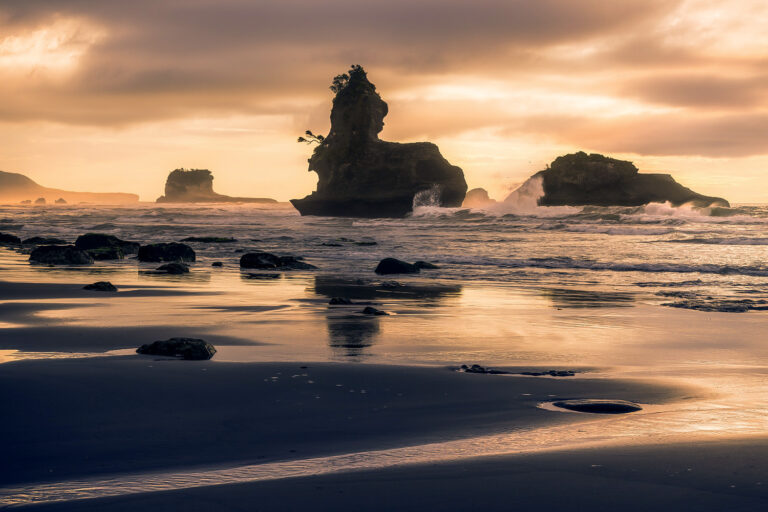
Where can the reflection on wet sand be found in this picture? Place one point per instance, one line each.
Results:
(569, 298)
(367, 289)
(350, 335)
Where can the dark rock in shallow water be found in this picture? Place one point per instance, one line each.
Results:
(425, 265)
(60, 255)
(261, 276)
(363, 176)
(173, 268)
(166, 252)
(196, 186)
(598, 406)
(476, 368)
(101, 286)
(8, 239)
(395, 266)
(186, 348)
(340, 301)
(209, 239)
(581, 179)
(551, 373)
(269, 261)
(43, 240)
(96, 241)
(107, 253)
(217, 264)
(368, 310)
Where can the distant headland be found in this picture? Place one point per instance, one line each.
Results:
(363, 176)
(15, 188)
(196, 186)
(580, 179)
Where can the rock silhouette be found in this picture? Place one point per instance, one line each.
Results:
(17, 187)
(363, 176)
(196, 186)
(581, 179)
(477, 198)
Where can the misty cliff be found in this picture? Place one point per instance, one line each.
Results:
(581, 179)
(196, 186)
(360, 175)
(16, 187)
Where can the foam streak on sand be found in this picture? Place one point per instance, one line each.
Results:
(697, 421)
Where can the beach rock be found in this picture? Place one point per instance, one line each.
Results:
(340, 301)
(266, 260)
(261, 276)
(363, 176)
(217, 264)
(8, 239)
(209, 239)
(172, 251)
(477, 198)
(425, 265)
(551, 373)
(61, 200)
(60, 255)
(368, 310)
(597, 406)
(365, 243)
(196, 186)
(99, 241)
(580, 179)
(186, 348)
(40, 200)
(106, 253)
(173, 268)
(395, 266)
(476, 368)
(43, 240)
(101, 286)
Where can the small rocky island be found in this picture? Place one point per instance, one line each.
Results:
(580, 179)
(363, 176)
(196, 186)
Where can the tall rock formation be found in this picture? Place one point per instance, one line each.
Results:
(196, 186)
(581, 179)
(363, 176)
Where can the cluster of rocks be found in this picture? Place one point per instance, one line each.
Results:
(269, 261)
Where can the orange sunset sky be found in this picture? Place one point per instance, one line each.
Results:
(112, 95)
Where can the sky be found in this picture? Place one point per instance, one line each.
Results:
(112, 95)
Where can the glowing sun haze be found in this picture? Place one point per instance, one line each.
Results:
(112, 95)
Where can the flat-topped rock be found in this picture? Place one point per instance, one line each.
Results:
(161, 252)
(184, 348)
(196, 186)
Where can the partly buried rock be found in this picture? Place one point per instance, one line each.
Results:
(101, 286)
(598, 406)
(395, 266)
(166, 252)
(581, 179)
(363, 176)
(60, 255)
(173, 268)
(269, 261)
(185, 348)
(368, 310)
(8, 239)
(43, 240)
(425, 265)
(105, 247)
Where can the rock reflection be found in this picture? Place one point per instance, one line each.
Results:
(568, 298)
(351, 335)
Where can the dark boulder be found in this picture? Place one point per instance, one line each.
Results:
(8, 239)
(94, 241)
(363, 176)
(340, 301)
(173, 268)
(269, 261)
(60, 255)
(395, 266)
(580, 179)
(101, 286)
(166, 252)
(217, 264)
(597, 406)
(106, 253)
(368, 310)
(425, 265)
(43, 240)
(185, 348)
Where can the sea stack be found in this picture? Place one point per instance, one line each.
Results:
(363, 176)
(580, 179)
(196, 186)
